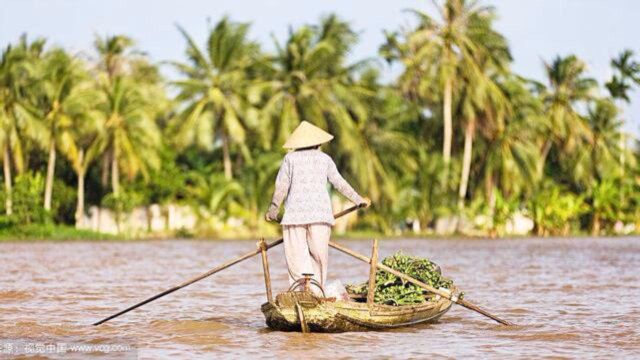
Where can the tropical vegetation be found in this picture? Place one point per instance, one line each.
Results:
(458, 138)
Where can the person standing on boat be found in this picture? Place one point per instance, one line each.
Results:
(308, 216)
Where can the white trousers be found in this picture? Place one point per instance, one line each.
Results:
(306, 249)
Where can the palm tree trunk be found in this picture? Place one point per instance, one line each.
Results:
(623, 142)
(80, 204)
(595, 225)
(490, 195)
(51, 167)
(149, 217)
(6, 165)
(594, 159)
(448, 126)
(544, 152)
(80, 200)
(104, 169)
(226, 157)
(115, 186)
(623, 148)
(115, 176)
(488, 187)
(466, 161)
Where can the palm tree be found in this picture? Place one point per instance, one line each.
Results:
(310, 80)
(115, 52)
(483, 105)
(438, 51)
(626, 69)
(16, 72)
(482, 102)
(8, 100)
(384, 145)
(82, 144)
(568, 88)
(626, 74)
(510, 150)
(80, 130)
(214, 89)
(81, 154)
(510, 162)
(131, 134)
(605, 133)
(61, 98)
(133, 99)
(605, 128)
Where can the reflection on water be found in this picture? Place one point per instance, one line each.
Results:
(570, 298)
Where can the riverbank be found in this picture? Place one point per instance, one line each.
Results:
(51, 232)
(64, 233)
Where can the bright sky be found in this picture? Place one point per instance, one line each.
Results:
(595, 30)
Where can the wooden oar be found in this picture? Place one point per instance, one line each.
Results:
(444, 294)
(212, 271)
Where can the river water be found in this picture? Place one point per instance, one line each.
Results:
(571, 298)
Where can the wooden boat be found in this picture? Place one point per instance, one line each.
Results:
(304, 311)
(298, 309)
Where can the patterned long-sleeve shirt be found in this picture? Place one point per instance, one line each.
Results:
(302, 184)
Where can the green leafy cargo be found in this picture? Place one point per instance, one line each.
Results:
(391, 290)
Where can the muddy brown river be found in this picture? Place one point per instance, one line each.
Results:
(571, 298)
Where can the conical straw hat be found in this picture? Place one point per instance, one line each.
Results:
(306, 135)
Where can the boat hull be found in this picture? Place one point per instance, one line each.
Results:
(327, 315)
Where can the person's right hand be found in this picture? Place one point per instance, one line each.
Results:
(270, 217)
(366, 202)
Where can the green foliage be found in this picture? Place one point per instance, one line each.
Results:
(218, 199)
(626, 73)
(214, 90)
(504, 209)
(496, 213)
(609, 203)
(605, 196)
(425, 193)
(553, 149)
(163, 185)
(64, 202)
(27, 199)
(553, 210)
(391, 290)
(632, 193)
(125, 202)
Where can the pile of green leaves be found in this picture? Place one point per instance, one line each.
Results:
(391, 290)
